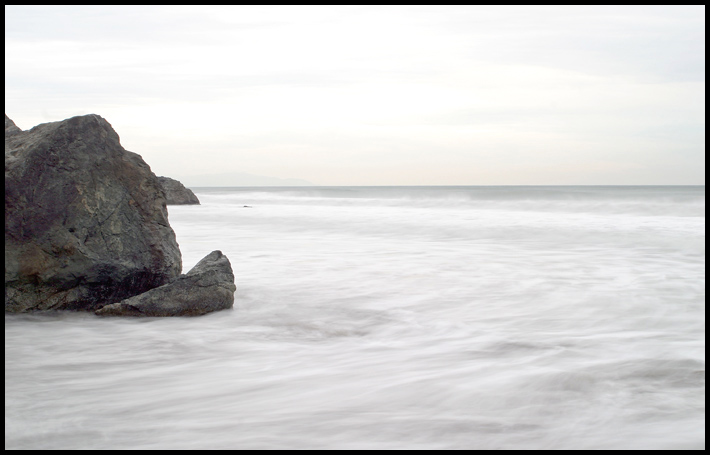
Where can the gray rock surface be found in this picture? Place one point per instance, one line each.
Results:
(10, 127)
(208, 287)
(176, 193)
(86, 222)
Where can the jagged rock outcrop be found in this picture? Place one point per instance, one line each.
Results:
(10, 127)
(208, 287)
(86, 222)
(176, 193)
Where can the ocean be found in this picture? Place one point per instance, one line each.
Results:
(466, 317)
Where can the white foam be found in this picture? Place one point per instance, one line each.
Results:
(394, 322)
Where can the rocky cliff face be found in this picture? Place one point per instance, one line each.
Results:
(176, 193)
(85, 220)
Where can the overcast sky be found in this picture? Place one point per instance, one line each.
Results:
(376, 95)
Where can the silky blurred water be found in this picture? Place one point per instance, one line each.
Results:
(395, 318)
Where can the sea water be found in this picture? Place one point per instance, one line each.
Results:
(395, 318)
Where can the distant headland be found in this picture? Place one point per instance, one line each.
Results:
(226, 179)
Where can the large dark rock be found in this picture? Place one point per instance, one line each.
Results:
(176, 193)
(208, 287)
(86, 222)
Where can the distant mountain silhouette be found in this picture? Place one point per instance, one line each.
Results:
(239, 179)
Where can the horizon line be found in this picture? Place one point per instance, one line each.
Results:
(455, 185)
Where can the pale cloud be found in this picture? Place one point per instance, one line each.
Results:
(377, 94)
